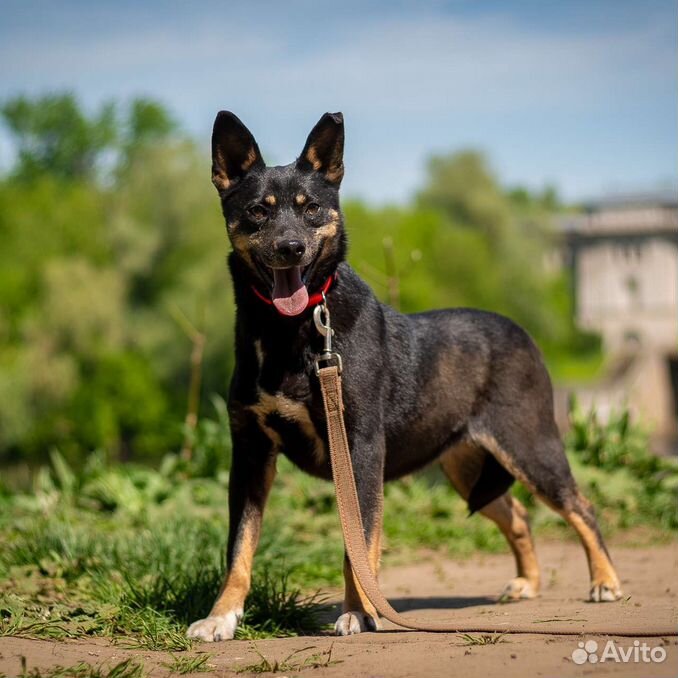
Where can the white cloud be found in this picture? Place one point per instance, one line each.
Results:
(409, 84)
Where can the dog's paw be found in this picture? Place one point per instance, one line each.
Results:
(355, 622)
(605, 591)
(213, 629)
(518, 588)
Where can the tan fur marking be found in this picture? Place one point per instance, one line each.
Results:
(329, 229)
(600, 566)
(241, 243)
(312, 157)
(270, 200)
(334, 174)
(237, 583)
(511, 518)
(354, 596)
(300, 199)
(220, 181)
(462, 465)
(249, 160)
(292, 411)
(219, 177)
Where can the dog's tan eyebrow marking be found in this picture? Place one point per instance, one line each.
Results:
(300, 198)
(270, 200)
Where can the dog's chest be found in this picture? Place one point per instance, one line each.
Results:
(283, 410)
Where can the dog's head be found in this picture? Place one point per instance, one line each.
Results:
(284, 223)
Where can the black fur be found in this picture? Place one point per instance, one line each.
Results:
(415, 386)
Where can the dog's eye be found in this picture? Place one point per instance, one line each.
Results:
(257, 212)
(312, 209)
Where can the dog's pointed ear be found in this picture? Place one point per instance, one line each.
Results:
(324, 149)
(234, 151)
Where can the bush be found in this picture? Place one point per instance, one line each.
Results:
(620, 449)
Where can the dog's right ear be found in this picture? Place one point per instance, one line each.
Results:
(234, 151)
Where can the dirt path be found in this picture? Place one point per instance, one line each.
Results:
(444, 589)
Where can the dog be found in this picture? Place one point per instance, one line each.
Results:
(463, 387)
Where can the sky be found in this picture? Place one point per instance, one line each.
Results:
(580, 95)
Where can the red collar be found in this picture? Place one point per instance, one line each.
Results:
(313, 300)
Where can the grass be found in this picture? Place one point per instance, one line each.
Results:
(182, 665)
(135, 554)
(125, 669)
(485, 639)
(292, 663)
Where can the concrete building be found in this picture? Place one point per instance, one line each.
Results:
(624, 257)
(625, 260)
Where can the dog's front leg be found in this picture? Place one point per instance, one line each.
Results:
(252, 473)
(368, 467)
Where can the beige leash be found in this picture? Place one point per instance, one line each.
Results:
(352, 525)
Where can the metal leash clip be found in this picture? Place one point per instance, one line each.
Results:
(326, 330)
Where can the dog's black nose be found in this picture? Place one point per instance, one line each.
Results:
(291, 251)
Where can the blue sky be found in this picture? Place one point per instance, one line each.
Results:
(577, 94)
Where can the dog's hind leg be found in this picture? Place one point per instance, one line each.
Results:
(358, 613)
(252, 473)
(539, 462)
(472, 472)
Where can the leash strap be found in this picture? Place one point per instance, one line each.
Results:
(354, 535)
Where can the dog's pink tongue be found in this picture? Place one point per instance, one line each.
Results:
(290, 295)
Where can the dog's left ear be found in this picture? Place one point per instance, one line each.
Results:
(234, 151)
(324, 149)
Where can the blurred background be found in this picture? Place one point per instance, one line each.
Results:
(515, 155)
(512, 156)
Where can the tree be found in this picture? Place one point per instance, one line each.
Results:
(462, 187)
(148, 124)
(53, 135)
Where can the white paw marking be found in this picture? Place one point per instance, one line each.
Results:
(213, 629)
(605, 593)
(355, 622)
(518, 588)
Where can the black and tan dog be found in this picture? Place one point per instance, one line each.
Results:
(466, 388)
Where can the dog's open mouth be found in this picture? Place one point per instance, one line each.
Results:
(290, 295)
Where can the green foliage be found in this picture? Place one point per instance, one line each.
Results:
(182, 665)
(127, 668)
(91, 265)
(293, 663)
(461, 187)
(483, 640)
(55, 137)
(210, 442)
(135, 554)
(641, 486)
(110, 232)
